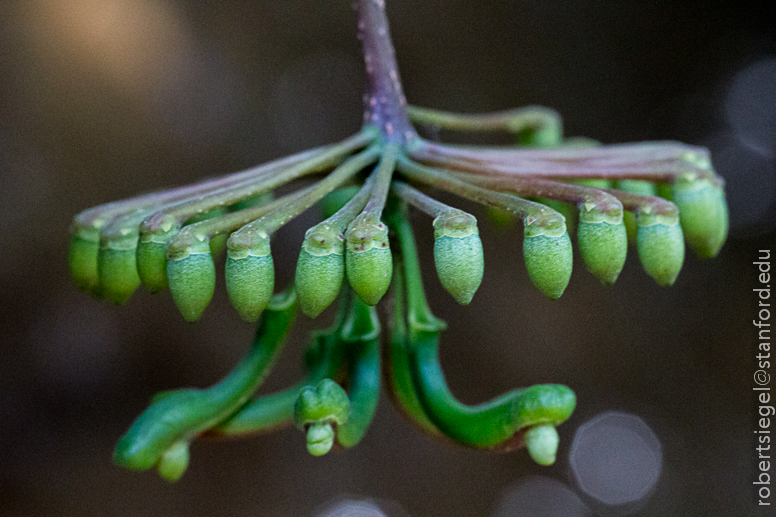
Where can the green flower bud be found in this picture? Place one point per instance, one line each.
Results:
(643, 188)
(542, 443)
(458, 254)
(192, 276)
(316, 409)
(661, 247)
(250, 276)
(703, 214)
(368, 260)
(320, 268)
(603, 242)
(174, 461)
(548, 257)
(117, 267)
(83, 253)
(152, 254)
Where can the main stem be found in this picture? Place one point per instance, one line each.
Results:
(385, 104)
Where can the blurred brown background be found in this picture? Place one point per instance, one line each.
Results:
(101, 100)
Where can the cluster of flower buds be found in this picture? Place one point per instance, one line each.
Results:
(654, 195)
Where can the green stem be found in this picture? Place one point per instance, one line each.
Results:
(587, 199)
(537, 125)
(324, 359)
(361, 333)
(419, 200)
(386, 106)
(182, 415)
(489, 425)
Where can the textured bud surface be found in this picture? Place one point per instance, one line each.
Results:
(192, 281)
(549, 261)
(250, 281)
(318, 280)
(368, 260)
(604, 247)
(661, 249)
(117, 268)
(703, 214)
(458, 254)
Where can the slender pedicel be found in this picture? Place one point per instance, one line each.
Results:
(367, 253)
(399, 381)
(158, 228)
(643, 188)
(458, 255)
(86, 226)
(250, 271)
(546, 243)
(535, 126)
(161, 434)
(654, 161)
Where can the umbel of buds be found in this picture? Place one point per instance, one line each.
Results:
(367, 183)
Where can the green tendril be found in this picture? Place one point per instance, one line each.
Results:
(324, 358)
(493, 424)
(160, 435)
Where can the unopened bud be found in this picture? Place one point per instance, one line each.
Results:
(603, 243)
(174, 461)
(192, 277)
(250, 277)
(548, 258)
(320, 269)
(661, 247)
(458, 254)
(83, 253)
(368, 260)
(117, 267)
(542, 443)
(703, 214)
